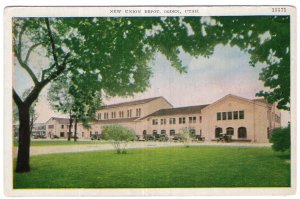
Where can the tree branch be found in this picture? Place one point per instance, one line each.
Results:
(17, 98)
(27, 68)
(18, 54)
(20, 42)
(51, 41)
(30, 50)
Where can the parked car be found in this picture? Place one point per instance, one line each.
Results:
(55, 137)
(148, 137)
(176, 138)
(96, 137)
(162, 137)
(39, 137)
(198, 138)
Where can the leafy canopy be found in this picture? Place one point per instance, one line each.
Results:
(113, 54)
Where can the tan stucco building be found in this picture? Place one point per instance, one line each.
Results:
(243, 119)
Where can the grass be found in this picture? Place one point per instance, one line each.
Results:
(61, 142)
(160, 168)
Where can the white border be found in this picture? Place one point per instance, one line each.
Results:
(149, 192)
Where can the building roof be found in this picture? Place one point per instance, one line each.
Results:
(60, 120)
(116, 121)
(262, 100)
(177, 111)
(136, 102)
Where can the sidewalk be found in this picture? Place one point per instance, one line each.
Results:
(42, 150)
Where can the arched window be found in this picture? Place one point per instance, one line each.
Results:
(163, 132)
(144, 132)
(218, 131)
(229, 131)
(172, 132)
(154, 132)
(242, 132)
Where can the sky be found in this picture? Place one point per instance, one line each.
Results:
(227, 71)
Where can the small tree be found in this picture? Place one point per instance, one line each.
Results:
(119, 136)
(185, 136)
(281, 139)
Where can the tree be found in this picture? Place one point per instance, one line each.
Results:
(281, 139)
(185, 136)
(60, 100)
(113, 54)
(119, 136)
(77, 103)
(32, 112)
(267, 40)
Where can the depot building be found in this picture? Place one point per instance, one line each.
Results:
(249, 120)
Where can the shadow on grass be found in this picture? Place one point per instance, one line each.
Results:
(284, 156)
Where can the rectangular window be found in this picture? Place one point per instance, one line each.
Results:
(172, 121)
(182, 120)
(154, 122)
(163, 121)
(136, 112)
(242, 114)
(194, 119)
(50, 126)
(172, 132)
(224, 115)
(235, 115)
(200, 119)
(99, 116)
(140, 112)
(218, 116)
(229, 115)
(62, 126)
(112, 114)
(190, 119)
(129, 113)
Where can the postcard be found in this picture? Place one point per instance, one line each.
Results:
(150, 101)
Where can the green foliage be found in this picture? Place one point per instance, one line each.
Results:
(184, 135)
(106, 50)
(80, 103)
(281, 139)
(119, 136)
(267, 40)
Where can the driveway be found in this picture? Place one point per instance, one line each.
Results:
(42, 150)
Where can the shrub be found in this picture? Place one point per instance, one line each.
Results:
(119, 136)
(281, 139)
(184, 136)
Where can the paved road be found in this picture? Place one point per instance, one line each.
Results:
(42, 150)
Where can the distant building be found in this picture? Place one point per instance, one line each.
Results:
(57, 127)
(39, 130)
(242, 119)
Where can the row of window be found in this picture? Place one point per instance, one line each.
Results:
(51, 126)
(242, 132)
(181, 120)
(172, 132)
(231, 115)
(113, 114)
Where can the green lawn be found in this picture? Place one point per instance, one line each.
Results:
(160, 167)
(61, 142)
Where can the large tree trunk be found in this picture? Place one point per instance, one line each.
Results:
(24, 140)
(75, 130)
